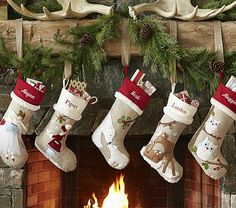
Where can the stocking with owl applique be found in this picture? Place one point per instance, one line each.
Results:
(52, 140)
(131, 99)
(26, 98)
(206, 142)
(158, 153)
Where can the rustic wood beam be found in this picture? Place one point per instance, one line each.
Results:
(190, 34)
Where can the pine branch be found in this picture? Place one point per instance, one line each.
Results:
(161, 50)
(89, 57)
(226, 16)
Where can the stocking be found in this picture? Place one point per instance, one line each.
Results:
(26, 99)
(130, 102)
(206, 142)
(159, 151)
(52, 140)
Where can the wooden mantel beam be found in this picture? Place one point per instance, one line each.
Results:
(190, 34)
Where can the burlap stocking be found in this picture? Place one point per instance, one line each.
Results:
(109, 136)
(25, 100)
(52, 140)
(159, 151)
(206, 142)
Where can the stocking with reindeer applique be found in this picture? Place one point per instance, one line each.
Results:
(131, 99)
(158, 153)
(206, 142)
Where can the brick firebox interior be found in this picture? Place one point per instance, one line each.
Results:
(48, 187)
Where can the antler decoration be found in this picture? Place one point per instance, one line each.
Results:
(71, 9)
(179, 9)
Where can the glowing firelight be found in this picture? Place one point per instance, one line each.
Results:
(116, 198)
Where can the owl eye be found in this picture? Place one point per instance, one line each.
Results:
(211, 121)
(212, 149)
(205, 144)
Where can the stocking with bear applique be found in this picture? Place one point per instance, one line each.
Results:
(26, 98)
(206, 142)
(131, 99)
(159, 151)
(52, 140)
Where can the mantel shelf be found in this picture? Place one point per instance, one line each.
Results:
(190, 34)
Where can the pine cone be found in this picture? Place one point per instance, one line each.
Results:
(216, 66)
(145, 31)
(86, 39)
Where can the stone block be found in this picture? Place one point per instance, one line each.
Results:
(35, 120)
(10, 178)
(229, 149)
(233, 201)
(17, 198)
(44, 121)
(225, 200)
(229, 181)
(202, 112)
(5, 201)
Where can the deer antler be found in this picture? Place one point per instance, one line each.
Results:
(179, 9)
(71, 9)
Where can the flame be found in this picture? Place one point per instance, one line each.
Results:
(116, 198)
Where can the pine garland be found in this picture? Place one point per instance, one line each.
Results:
(88, 58)
(159, 51)
(85, 50)
(38, 63)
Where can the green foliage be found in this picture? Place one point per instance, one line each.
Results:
(38, 62)
(51, 5)
(193, 67)
(205, 165)
(194, 149)
(88, 59)
(161, 50)
(226, 16)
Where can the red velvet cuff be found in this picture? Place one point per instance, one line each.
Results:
(226, 97)
(134, 93)
(28, 93)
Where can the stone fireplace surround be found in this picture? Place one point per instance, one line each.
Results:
(32, 186)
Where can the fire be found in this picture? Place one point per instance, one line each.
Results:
(116, 198)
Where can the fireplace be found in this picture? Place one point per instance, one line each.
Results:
(49, 187)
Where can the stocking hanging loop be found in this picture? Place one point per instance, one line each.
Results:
(67, 73)
(174, 33)
(125, 47)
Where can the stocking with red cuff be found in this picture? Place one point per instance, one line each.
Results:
(130, 102)
(206, 142)
(26, 99)
(52, 140)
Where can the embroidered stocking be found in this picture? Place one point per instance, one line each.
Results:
(130, 102)
(52, 140)
(206, 142)
(26, 99)
(159, 151)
